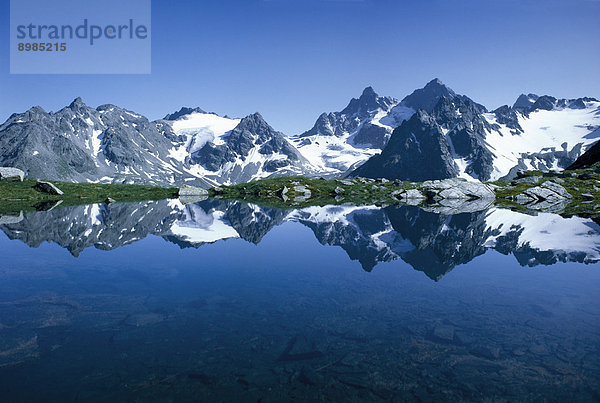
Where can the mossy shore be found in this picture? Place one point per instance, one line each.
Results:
(16, 195)
(583, 187)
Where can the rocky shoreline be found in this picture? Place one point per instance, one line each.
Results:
(572, 193)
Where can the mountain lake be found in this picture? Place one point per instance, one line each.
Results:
(225, 301)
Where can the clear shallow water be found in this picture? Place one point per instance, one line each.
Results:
(222, 300)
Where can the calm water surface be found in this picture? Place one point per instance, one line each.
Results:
(227, 301)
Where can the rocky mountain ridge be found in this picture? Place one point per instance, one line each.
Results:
(433, 133)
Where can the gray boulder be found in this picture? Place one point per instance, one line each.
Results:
(547, 191)
(11, 173)
(455, 188)
(187, 190)
(47, 187)
(556, 188)
(529, 179)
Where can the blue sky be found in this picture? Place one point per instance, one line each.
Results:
(290, 60)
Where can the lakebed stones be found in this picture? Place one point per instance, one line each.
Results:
(9, 173)
(47, 187)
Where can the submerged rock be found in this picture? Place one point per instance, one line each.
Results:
(444, 333)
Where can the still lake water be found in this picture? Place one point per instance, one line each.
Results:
(228, 301)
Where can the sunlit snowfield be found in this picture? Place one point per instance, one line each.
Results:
(223, 300)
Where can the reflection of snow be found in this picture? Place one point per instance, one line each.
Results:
(547, 232)
(198, 226)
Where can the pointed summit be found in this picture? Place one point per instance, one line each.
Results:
(435, 82)
(368, 102)
(256, 124)
(368, 92)
(77, 103)
(182, 112)
(427, 97)
(524, 102)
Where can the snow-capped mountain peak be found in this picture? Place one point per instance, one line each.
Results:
(183, 111)
(427, 97)
(340, 141)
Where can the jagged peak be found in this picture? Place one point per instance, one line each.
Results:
(435, 82)
(256, 116)
(77, 102)
(427, 97)
(182, 112)
(368, 101)
(253, 121)
(369, 92)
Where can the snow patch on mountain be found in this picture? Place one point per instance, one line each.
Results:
(341, 141)
(201, 128)
(542, 130)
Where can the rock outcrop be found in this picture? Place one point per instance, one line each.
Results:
(549, 197)
(456, 188)
(47, 187)
(187, 190)
(589, 158)
(11, 173)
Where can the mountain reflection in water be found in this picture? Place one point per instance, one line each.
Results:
(245, 303)
(429, 242)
